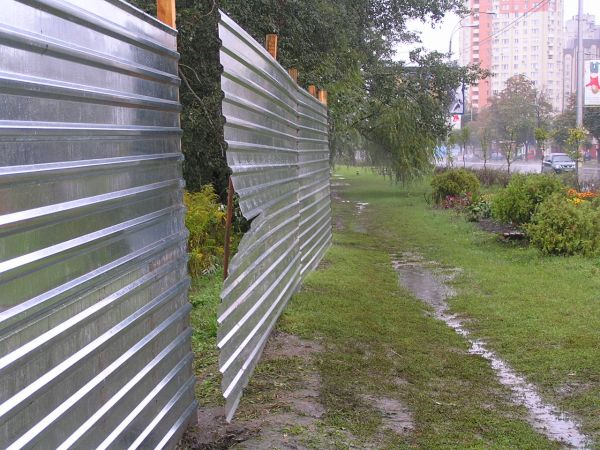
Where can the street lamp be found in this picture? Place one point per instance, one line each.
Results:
(459, 26)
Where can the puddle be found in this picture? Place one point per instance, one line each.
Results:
(360, 226)
(360, 207)
(427, 281)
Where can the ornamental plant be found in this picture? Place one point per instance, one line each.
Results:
(518, 201)
(455, 184)
(561, 226)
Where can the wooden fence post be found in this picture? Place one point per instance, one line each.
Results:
(166, 12)
(312, 90)
(294, 74)
(228, 226)
(271, 45)
(323, 97)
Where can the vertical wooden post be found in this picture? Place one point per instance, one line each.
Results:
(228, 224)
(294, 74)
(323, 97)
(166, 12)
(271, 44)
(312, 90)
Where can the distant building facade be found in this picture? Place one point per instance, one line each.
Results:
(591, 50)
(520, 37)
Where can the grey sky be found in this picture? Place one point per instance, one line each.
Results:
(438, 38)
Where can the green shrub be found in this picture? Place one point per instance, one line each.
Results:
(563, 227)
(518, 201)
(480, 208)
(454, 183)
(205, 220)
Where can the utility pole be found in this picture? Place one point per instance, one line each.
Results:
(580, 66)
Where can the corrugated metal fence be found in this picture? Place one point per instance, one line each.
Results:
(94, 335)
(279, 155)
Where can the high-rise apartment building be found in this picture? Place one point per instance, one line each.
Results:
(512, 37)
(591, 50)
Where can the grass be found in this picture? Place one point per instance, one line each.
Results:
(540, 314)
(204, 297)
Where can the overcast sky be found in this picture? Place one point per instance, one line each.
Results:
(438, 38)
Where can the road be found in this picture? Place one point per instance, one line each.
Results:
(588, 171)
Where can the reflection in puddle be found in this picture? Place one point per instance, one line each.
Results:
(360, 207)
(428, 283)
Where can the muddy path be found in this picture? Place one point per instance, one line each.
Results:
(429, 283)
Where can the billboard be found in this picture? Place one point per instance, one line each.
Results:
(592, 85)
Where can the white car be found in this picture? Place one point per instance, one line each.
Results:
(557, 163)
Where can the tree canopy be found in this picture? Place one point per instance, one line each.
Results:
(397, 112)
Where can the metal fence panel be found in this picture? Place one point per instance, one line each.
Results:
(280, 171)
(94, 336)
(314, 195)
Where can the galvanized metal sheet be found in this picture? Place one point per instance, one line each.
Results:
(94, 337)
(279, 157)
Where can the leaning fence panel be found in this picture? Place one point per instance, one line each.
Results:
(94, 335)
(274, 181)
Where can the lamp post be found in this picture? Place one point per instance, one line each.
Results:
(459, 26)
(580, 67)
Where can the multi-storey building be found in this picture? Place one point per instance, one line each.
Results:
(591, 50)
(512, 37)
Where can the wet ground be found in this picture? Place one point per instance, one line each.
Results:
(429, 283)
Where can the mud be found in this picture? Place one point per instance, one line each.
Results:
(395, 416)
(428, 282)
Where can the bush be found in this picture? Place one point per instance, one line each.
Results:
(480, 208)
(205, 220)
(454, 183)
(518, 201)
(561, 226)
(492, 177)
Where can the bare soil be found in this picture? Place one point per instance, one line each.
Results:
(279, 412)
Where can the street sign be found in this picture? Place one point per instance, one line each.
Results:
(458, 105)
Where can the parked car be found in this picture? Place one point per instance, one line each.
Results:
(557, 163)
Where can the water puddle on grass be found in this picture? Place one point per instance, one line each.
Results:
(427, 281)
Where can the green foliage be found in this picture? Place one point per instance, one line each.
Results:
(561, 227)
(202, 142)
(541, 137)
(518, 201)
(562, 123)
(454, 183)
(515, 114)
(480, 208)
(575, 139)
(205, 220)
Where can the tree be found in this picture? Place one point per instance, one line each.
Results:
(462, 138)
(482, 133)
(202, 143)
(345, 47)
(450, 144)
(517, 111)
(541, 137)
(509, 147)
(577, 137)
(563, 123)
(485, 140)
